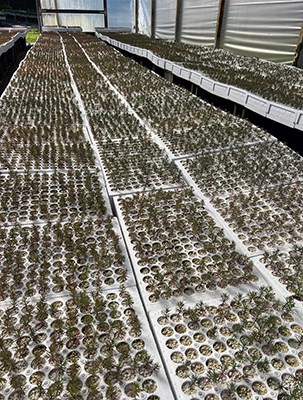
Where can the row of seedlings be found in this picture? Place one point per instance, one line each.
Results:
(6, 36)
(131, 160)
(256, 190)
(186, 124)
(272, 81)
(179, 250)
(251, 179)
(41, 128)
(242, 346)
(246, 345)
(71, 323)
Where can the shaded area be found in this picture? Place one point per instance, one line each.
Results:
(28, 5)
(10, 61)
(18, 13)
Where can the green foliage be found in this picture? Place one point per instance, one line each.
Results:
(32, 35)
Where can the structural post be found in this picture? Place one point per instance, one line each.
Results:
(56, 12)
(298, 60)
(235, 109)
(136, 15)
(219, 23)
(179, 17)
(39, 15)
(105, 14)
(168, 75)
(153, 19)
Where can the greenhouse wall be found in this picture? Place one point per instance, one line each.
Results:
(88, 22)
(165, 19)
(263, 28)
(81, 14)
(144, 16)
(72, 4)
(199, 22)
(120, 13)
(268, 29)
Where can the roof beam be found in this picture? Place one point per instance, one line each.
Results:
(71, 11)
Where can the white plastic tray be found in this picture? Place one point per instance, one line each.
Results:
(277, 112)
(299, 121)
(169, 65)
(8, 45)
(221, 90)
(257, 104)
(237, 95)
(185, 74)
(177, 70)
(196, 78)
(207, 84)
(282, 114)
